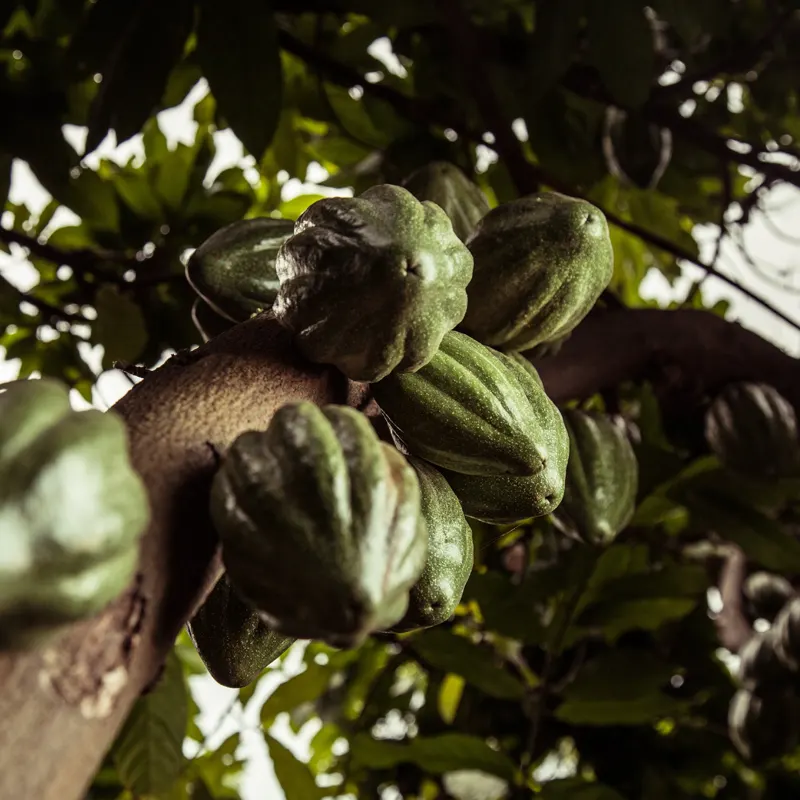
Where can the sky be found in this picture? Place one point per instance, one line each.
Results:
(773, 241)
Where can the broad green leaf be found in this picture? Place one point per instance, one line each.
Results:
(620, 687)
(220, 768)
(303, 688)
(577, 789)
(554, 42)
(321, 747)
(295, 778)
(292, 209)
(436, 754)
(148, 751)
(647, 614)
(237, 49)
(620, 45)
(136, 70)
(354, 118)
(477, 664)
(120, 326)
(137, 193)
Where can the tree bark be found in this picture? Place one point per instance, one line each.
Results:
(65, 703)
(60, 707)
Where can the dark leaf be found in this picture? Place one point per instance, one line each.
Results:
(120, 326)
(237, 49)
(295, 778)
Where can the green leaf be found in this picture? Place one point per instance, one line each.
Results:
(148, 751)
(303, 688)
(449, 697)
(237, 48)
(293, 208)
(577, 789)
(294, 777)
(136, 70)
(120, 326)
(553, 44)
(436, 754)
(620, 687)
(621, 48)
(5, 178)
(762, 539)
(476, 664)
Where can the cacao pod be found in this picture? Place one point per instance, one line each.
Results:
(763, 726)
(602, 477)
(72, 510)
(434, 597)
(446, 185)
(540, 264)
(372, 283)
(752, 429)
(767, 594)
(234, 269)
(474, 410)
(320, 524)
(235, 644)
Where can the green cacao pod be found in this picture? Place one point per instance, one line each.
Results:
(763, 726)
(235, 644)
(446, 185)
(787, 634)
(372, 283)
(752, 429)
(767, 594)
(320, 524)
(434, 597)
(759, 664)
(234, 269)
(602, 477)
(540, 264)
(208, 323)
(71, 511)
(475, 411)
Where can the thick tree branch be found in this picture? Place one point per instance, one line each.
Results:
(67, 701)
(613, 346)
(733, 628)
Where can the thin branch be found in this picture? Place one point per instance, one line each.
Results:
(733, 629)
(527, 176)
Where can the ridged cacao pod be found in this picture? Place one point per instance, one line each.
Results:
(752, 429)
(767, 594)
(72, 510)
(320, 524)
(475, 411)
(763, 726)
(540, 264)
(235, 644)
(434, 597)
(234, 269)
(602, 477)
(759, 664)
(446, 185)
(372, 283)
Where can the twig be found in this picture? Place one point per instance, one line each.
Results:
(733, 629)
(136, 370)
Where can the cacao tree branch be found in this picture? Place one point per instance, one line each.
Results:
(733, 628)
(66, 702)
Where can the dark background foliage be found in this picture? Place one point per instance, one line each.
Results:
(561, 676)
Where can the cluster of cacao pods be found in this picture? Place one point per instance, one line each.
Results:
(764, 713)
(428, 296)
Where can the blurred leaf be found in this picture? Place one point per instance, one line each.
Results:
(553, 43)
(120, 326)
(148, 751)
(449, 697)
(477, 664)
(299, 689)
(294, 777)
(293, 208)
(5, 178)
(237, 48)
(136, 69)
(436, 754)
(577, 789)
(621, 48)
